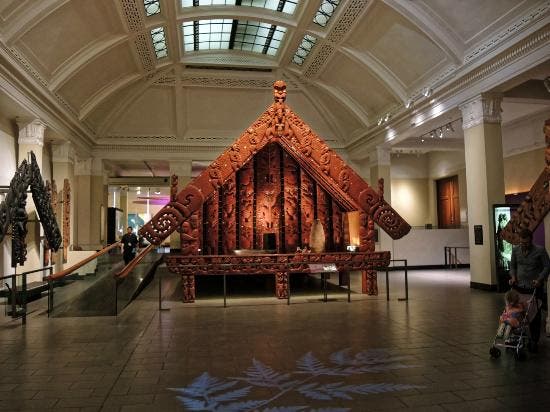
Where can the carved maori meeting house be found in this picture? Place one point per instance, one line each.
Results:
(276, 179)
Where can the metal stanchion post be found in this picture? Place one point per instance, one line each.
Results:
(387, 284)
(349, 287)
(288, 290)
(24, 299)
(224, 292)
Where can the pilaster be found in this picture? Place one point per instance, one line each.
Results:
(484, 182)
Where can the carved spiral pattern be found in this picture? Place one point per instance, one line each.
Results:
(162, 223)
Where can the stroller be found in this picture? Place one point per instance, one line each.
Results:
(516, 339)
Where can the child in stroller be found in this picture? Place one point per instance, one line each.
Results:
(513, 314)
(513, 330)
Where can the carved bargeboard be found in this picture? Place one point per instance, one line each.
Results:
(536, 204)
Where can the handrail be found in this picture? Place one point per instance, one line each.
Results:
(78, 265)
(134, 262)
(25, 273)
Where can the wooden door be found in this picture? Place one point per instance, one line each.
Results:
(448, 205)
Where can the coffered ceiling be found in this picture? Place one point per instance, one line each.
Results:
(187, 80)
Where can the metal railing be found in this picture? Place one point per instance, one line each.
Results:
(391, 268)
(451, 259)
(14, 293)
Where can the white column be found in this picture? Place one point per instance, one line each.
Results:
(90, 195)
(31, 138)
(484, 181)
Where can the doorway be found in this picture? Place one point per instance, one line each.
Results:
(448, 204)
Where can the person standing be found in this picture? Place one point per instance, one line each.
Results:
(529, 268)
(129, 244)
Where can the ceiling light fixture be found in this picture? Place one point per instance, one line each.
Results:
(427, 92)
(439, 132)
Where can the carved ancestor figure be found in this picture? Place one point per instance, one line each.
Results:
(14, 215)
(66, 218)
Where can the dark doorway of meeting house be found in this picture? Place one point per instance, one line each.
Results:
(448, 205)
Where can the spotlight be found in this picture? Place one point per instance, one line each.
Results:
(380, 121)
(408, 104)
(432, 134)
(387, 117)
(440, 133)
(427, 92)
(422, 140)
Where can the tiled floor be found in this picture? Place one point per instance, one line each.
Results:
(427, 354)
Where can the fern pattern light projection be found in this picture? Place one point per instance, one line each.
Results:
(312, 380)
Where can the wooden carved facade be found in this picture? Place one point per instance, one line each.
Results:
(269, 194)
(536, 204)
(276, 178)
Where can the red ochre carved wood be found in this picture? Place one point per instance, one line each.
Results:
(273, 263)
(307, 207)
(246, 205)
(66, 218)
(291, 206)
(279, 124)
(536, 204)
(268, 192)
(229, 217)
(211, 223)
(309, 169)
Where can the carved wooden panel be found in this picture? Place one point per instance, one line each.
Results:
(66, 218)
(337, 228)
(307, 207)
(229, 218)
(536, 204)
(324, 211)
(201, 265)
(268, 192)
(210, 226)
(246, 206)
(190, 235)
(291, 203)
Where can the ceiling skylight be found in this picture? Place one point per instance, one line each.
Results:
(215, 34)
(285, 6)
(159, 42)
(325, 12)
(303, 49)
(151, 7)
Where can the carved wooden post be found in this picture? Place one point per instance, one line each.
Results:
(66, 218)
(281, 285)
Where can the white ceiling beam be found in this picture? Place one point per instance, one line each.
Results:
(83, 57)
(96, 99)
(379, 70)
(29, 17)
(433, 26)
(122, 105)
(346, 101)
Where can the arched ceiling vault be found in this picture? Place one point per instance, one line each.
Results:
(96, 67)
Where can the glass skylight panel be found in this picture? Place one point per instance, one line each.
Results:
(159, 42)
(325, 12)
(253, 36)
(151, 7)
(303, 49)
(285, 6)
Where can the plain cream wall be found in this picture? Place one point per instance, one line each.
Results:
(522, 170)
(8, 161)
